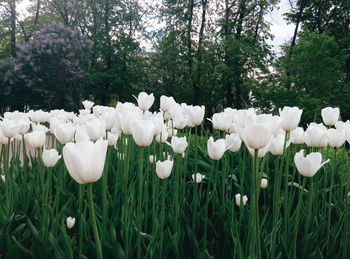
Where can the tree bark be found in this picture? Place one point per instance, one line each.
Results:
(13, 15)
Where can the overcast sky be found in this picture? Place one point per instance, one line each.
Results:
(279, 28)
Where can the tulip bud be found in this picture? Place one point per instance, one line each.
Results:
(336, 138)
(163, 169)
(50, 157)
(309, 165)
(70, 222)
(297, 136)
(198, 178)
(330, 115)
(263, 183)
(216, 149)
(239, 197)
(152, 159)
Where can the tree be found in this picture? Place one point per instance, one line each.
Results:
(49, 68)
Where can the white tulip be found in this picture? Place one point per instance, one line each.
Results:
(330, 115)
(143, 132)
(70, 222)
(256, 136)
(290, 117)
(50, 157)
(239, 197)
(297, 136)
(36, 138)
(88, 104)
(85, 160)
(163, 169)
(309, 165)
(263, 183)
(198, 178)
(336, 138)
(233, 142)
(216, 149)
(178, 144)
(64, 132)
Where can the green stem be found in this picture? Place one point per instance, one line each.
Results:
(93, 222)
(139, 205)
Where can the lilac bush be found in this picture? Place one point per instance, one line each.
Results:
(50, 67)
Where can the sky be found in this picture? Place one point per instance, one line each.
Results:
(279, 28)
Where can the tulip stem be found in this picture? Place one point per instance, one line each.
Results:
(139, 205)
(93, 222)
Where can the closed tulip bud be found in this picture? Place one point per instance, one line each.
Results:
(240, 199)
(112, 139)
(85, 160)
(216, 149)
(36, 138)
(88, 104)
(178, 145)
(233, 142)
(297, 136)
(152, 159)
(336, 138)
(330, 115)
(309, 165)
(198, 178)
(50, 157)
(256, 136)
(290, 117)
(263, 183)
(166, 103)
(142, 132)
(145, 101)
(163, 169)
(70, 222)
(64, 132)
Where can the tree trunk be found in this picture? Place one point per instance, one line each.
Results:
(13, 27)
(197, 81)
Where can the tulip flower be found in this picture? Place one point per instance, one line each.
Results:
(9, 128)
(163, 169)
(144, 101)
(221, 121)
(316, 135)
(178, 145)
(85, 160)
(297, 136)
(256, 136)
(198, 178)
(309, 165)
(233, 142)
(196, 114)
(81, 135)
(277, 144)
(64, 132)
(36, 138)
(216, 149)
(50, 157)
(70, 222)
(142, 132)
(96, 129)
(163, 136)
(238, 198)
(88, 104)
(290, 117)
(263, 184)
(330, 115)
(336, 138)
(112, 139)
(152, 159)
(39, 116)
(166, 103)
